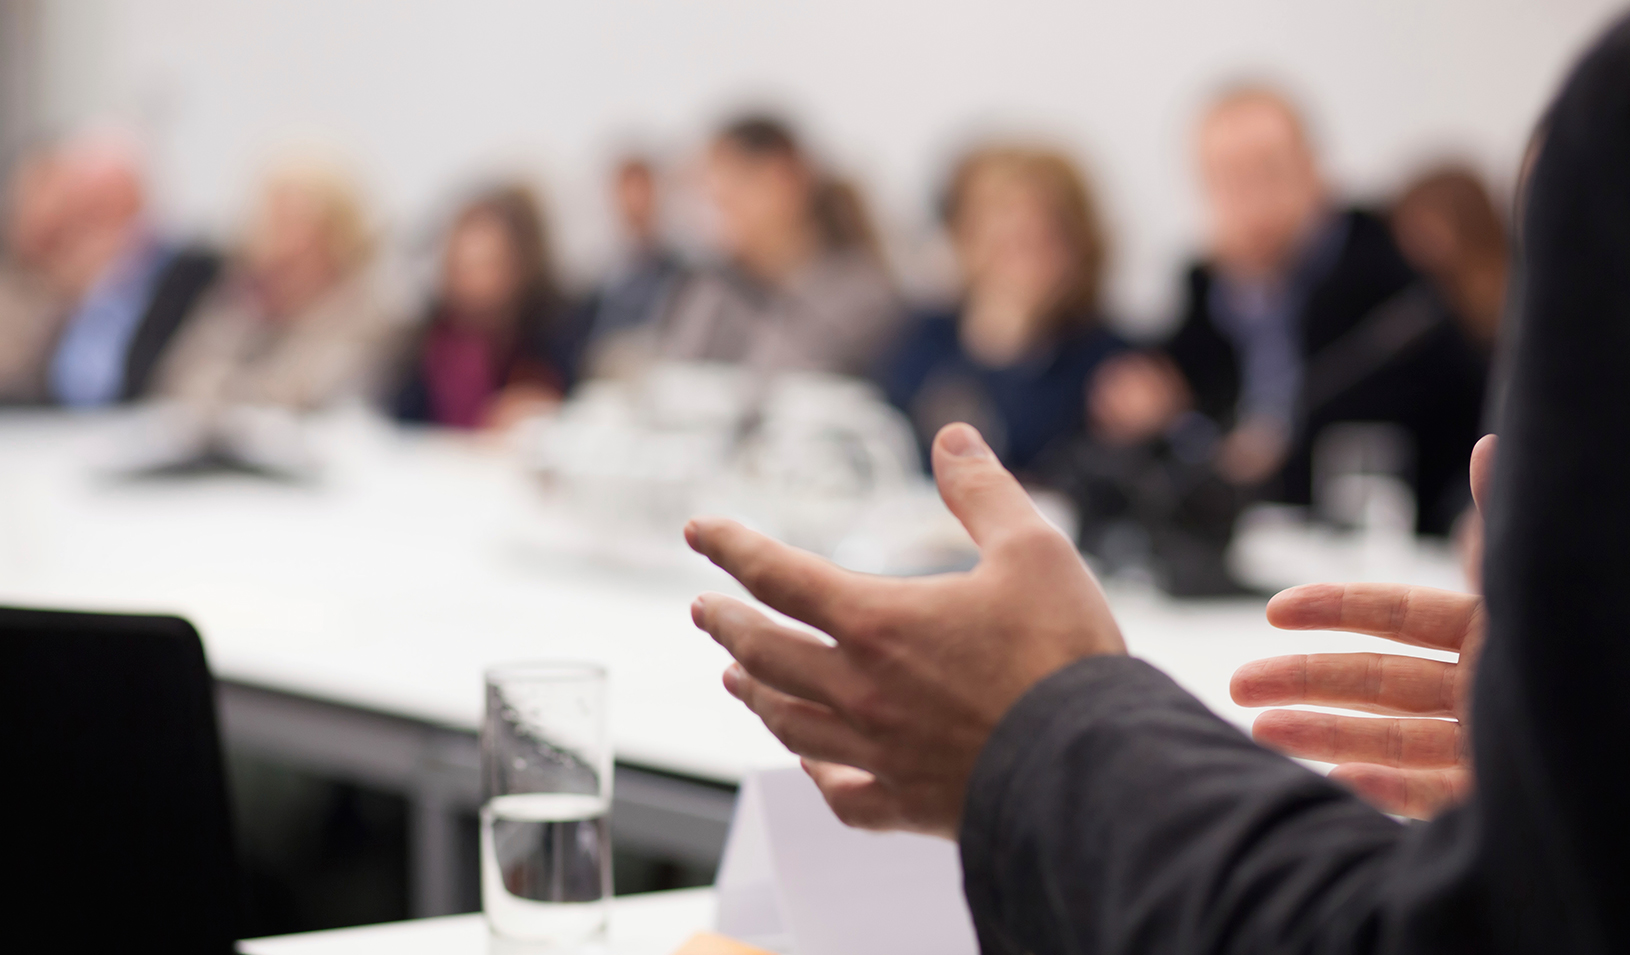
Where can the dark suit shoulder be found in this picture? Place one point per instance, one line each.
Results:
(182, 282)
(1368, 270)
(1204, 356)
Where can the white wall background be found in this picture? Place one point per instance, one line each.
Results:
(424, 95)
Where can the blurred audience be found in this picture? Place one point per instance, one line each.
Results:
(1014, 357)
(106, 292)
(298, 323)
(637, 293)
(804, 287)
(1303, 314)
(495, 345)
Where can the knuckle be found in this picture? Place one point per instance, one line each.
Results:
(777, 722)
(866, 622)
(856, 811)
(750, 651)
(1040, 541)
(1396, 745)
(871, 709)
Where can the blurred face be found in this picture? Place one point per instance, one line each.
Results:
(290, 232)
(1009, 240)
(1261, 184)
(762, 201)
(37, 203)
(636, 197)
(481, 271)
(83, 211)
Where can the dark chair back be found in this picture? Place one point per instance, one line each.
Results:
(118, 829)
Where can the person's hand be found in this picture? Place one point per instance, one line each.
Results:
(892, 714)
(1412, 762)
(517, 403)
(1253, 451)
(1134, 397)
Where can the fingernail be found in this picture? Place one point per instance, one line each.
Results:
(696, 610)
(690, 534)
(732, 678)
(962, 441)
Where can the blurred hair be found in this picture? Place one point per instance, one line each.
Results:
(517, 210)
(762, 135)
(1458, 196)
(1073, 206)
(836, 205)
(338, 197)
(1260, 93)
(842, 217)
(634, 164)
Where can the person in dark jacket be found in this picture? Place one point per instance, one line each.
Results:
(1102, 810)
(495, 345)
(1015, 356)
(1286, 275)
(1301, 318)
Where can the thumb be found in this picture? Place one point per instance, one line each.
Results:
(979, 491)
(1482, 470)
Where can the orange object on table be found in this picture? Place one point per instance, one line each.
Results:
(712, 943)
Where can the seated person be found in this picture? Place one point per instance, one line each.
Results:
(1286, 275)
(128, 290)
(1100, 808)
(804, 287)
(1421, 359)
(29, 313)
(494, 345)
(637, 292)
(1016, 355)
(298, 323)
(1289, 326)
(1449, 230)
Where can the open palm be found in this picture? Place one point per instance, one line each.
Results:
(1417, 758)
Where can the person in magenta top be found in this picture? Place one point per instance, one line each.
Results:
(494, 347)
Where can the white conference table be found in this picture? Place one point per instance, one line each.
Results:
(349, 621)
(653, 924)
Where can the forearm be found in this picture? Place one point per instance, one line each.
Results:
(1111, 812)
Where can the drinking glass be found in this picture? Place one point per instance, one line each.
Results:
(546, 803)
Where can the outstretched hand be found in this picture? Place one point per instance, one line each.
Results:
(891, 715)
(1414, 762)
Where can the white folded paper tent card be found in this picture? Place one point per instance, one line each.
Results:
(795, 879)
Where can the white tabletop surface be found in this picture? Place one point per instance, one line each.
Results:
(652, 924)
(422, 559)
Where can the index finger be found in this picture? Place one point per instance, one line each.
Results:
(1419, 616)
(793, 581)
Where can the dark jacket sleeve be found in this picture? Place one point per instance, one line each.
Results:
(1110, 813)
(1205, 358)
(180, 286)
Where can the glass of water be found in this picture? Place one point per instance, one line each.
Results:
(546, 791)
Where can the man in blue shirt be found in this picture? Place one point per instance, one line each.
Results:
(130, 291)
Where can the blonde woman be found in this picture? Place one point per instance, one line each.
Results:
(298, 323)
